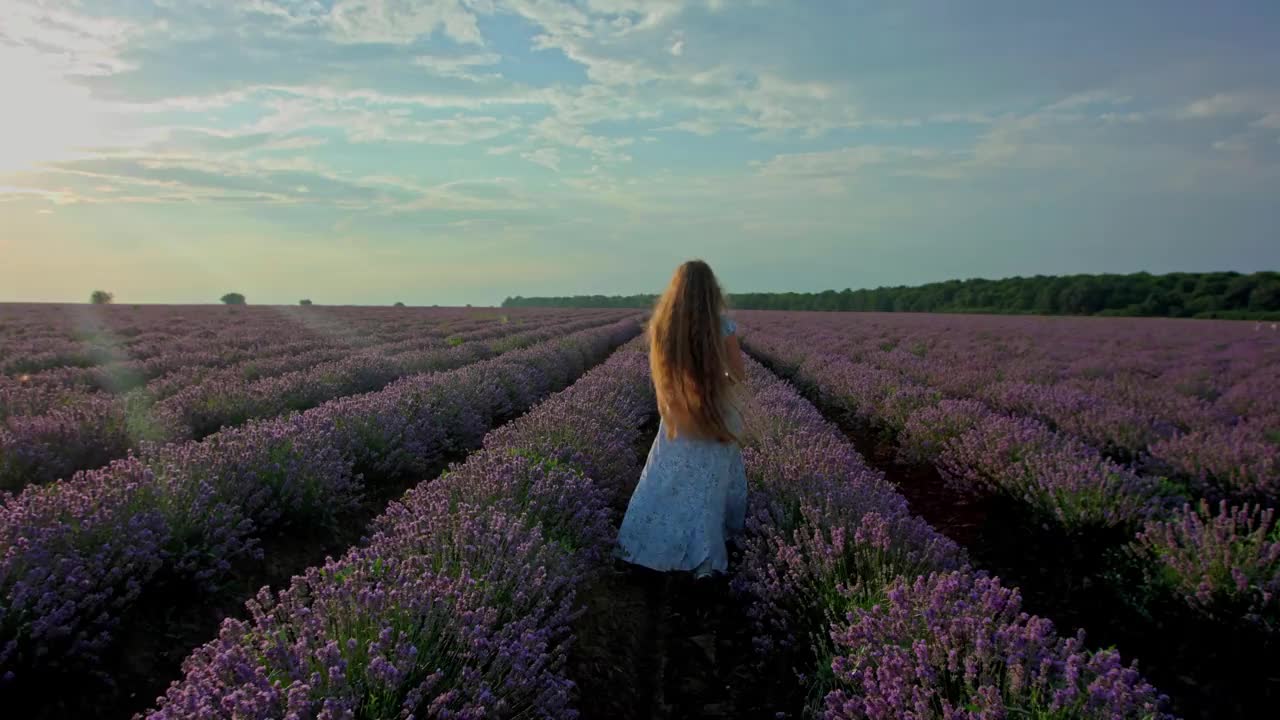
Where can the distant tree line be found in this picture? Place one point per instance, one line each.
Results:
(1204, 295)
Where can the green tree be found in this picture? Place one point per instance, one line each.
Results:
(1265, 297)
(1215, 294)
(304, 302)
(399, 304)
(101, 297)
(1236, 296)
(233, 299)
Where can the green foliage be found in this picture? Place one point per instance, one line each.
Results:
(101, 297)
(304, 302)
(1212, 295)
(399, 304)
(233, 299)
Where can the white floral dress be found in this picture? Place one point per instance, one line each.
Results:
(691, 495)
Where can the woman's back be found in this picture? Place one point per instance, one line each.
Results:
(692, 492)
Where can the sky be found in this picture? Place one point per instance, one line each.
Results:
(460, 151)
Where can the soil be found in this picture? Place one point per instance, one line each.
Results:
(959, 516)
(663, 646)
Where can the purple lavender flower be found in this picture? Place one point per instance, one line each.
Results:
(1223, 562)
(957, 645)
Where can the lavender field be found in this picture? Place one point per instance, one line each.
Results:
(313, 512)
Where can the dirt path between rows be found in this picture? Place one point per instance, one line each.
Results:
(655, 646)
(661, 646)
(957, 515)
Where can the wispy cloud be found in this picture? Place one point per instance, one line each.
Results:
(1219, 105)
(460, 66)
(402, 21)
(546, 157)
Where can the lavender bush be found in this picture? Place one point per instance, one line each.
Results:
(823, 532)
(75, 556)
(1240, 463)
(957, 645)
(928, 431)
(1223, 562)
(1056, 476)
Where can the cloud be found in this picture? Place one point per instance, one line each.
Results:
(375, 118)
(187, 178)
(1236, 144)
(1087, 99)
(571, 135)
(1229, 104)
(371, 127)
(697, 126)
(1270, 121)
(831, 163)
(66, 41)
(1129, 117)
(222, 141)
(402, 21)
(546, 157)
(494, 194)
(826, 172)
(461, 66)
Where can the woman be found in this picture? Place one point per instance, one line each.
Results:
(693, 490)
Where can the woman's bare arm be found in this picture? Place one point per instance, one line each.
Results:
(733, 355)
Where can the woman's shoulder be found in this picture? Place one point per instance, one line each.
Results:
(728, 325)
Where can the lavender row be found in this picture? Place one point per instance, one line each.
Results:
(1222, 560)
(79, 556)
(1156, 416)
(882, 615)
(221, 401)
(105, 347)
(976, 448)
(1237, 461)
(99, 335)
(1212, 363)
(460, 605)
(180, 369)
(97, 428)
(184, 359)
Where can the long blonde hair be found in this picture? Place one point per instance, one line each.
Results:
(687, 356)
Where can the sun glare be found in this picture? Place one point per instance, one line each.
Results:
(43, 117)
